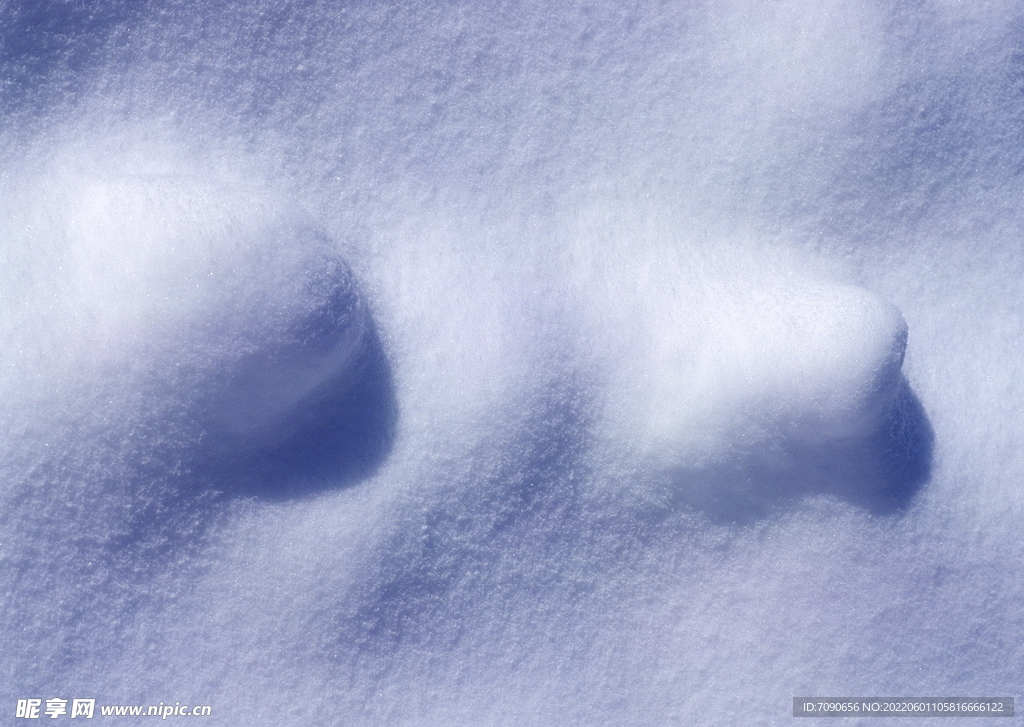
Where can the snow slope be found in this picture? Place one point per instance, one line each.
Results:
(520, 363)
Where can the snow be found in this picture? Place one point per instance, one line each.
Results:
(510, 363)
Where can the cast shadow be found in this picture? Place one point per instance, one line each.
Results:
(339, 436)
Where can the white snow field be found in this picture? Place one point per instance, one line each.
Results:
(510, 363)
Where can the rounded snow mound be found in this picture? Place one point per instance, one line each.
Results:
(807, 360)
(232, 295)
(751, 389)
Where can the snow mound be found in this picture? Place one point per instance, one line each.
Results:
(221, 308)
(808, 361)
(751, 390)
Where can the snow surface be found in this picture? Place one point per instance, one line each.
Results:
(510, 363)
